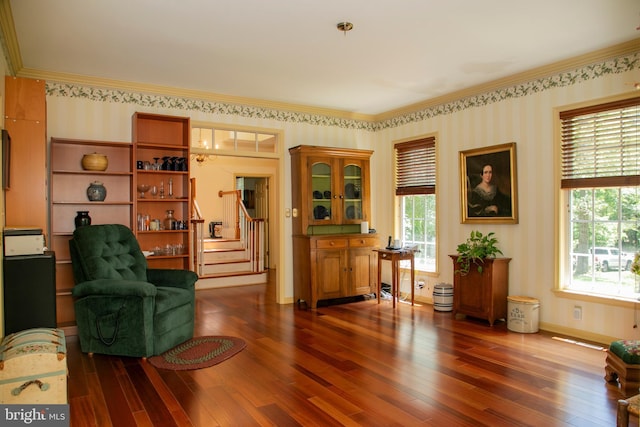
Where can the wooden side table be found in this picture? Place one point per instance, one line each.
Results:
(395, 256)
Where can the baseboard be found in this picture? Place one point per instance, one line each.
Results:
(577, 333)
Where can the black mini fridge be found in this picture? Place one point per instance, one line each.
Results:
(29, 292)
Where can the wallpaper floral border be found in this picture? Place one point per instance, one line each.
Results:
(613, 66)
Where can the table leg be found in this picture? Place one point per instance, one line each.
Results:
(379, 276)
(396, 281)
(413, 278)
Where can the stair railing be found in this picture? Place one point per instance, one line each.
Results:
(197, 231)
(238, 224)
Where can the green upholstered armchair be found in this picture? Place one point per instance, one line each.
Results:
(122, 307)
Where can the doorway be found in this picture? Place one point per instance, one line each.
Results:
(255, 197)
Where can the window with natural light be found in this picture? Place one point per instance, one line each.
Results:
(415, 172)
(601, 187)
(210, 139)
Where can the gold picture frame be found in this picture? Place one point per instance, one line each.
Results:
(488, 185)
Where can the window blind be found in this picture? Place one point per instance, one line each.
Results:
(601, 145)
(416, 167)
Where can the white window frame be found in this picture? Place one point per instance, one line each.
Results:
(564, 251)
(398, 211)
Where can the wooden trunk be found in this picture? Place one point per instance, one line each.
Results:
(33, 367)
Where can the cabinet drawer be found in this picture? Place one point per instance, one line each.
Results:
(361, 242)
(331, 243)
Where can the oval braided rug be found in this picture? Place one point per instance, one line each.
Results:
(199, 352)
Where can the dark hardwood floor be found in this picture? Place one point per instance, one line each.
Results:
(352, 364)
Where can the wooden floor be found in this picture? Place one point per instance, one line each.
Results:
(351, 364)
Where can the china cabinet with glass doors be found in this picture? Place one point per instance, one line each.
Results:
(331, 198)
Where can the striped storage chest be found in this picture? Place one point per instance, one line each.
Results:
(33, 367)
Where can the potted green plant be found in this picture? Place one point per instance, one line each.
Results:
(635, 265)
(475, 250)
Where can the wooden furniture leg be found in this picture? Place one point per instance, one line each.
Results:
(622, 414)
(379, 277)
(396, 281)
(626, 407)
(413, 278)
(628, 376)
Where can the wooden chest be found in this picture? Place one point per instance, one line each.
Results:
(33, 367)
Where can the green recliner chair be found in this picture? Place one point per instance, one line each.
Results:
(122, 307)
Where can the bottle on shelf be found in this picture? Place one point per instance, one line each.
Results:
(168, 220)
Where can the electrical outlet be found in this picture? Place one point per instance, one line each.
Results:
(428, 288)
(419, 283)
(577, 312)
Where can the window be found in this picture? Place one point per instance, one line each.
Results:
(415, 173)
(601, 187)
(210, 140)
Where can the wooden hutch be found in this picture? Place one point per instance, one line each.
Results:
(330, 198)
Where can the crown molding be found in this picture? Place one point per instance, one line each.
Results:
(619, 50)
(76, 79)
(9, 38)
(14, 63)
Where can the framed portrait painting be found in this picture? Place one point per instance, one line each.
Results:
(488, 185)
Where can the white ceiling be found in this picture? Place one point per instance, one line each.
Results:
(399, 53)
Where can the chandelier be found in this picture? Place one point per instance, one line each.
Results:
(201, 153)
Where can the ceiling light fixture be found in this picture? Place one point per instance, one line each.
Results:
(344, 27)
(200, 153)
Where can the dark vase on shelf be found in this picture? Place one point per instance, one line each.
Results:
(96, 192)
(82, 218)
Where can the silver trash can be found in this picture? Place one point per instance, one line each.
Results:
(523, 314)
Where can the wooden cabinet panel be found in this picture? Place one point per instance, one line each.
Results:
(26, 200)
(25, 120)
(331, 269)
(362, 268)
(331, 191)
(330, 186)
(337, 267)
(337, 243)
(482, 295)
(25, 99)
(364, 242)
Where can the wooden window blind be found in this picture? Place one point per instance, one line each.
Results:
(416, 167)
(601, 145)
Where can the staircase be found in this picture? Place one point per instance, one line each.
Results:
(237, 258)
(227, 263)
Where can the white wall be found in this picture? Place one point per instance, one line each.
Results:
(218, 174)
(529, 122)
(526, 120)
(86, 114)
